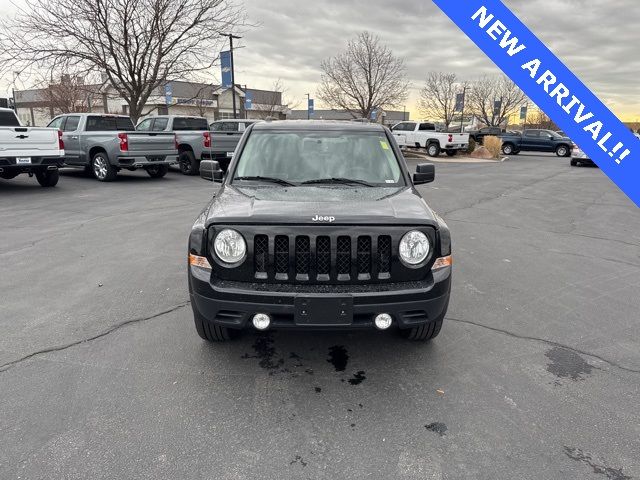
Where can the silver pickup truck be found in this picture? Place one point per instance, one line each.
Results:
(105, 144)
(225, 136)
(30, 150)
(192, 134)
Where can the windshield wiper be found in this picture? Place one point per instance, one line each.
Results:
(279, 181)
(338, 180)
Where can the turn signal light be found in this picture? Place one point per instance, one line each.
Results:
(197, 261)
(442, 262)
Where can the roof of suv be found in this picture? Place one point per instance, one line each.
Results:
(318, 125)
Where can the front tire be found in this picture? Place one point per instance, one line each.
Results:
(508, 149)
(188, 163)
(425, 332)
(102, 168)
(433, 150)
(48, 178)
(157, 171)
(213, 333)
(562, 151)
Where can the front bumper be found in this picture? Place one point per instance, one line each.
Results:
(146, 160)
(233, 304)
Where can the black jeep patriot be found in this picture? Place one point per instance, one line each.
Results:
(317, 225)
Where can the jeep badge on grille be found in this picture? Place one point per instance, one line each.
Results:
(320, 218)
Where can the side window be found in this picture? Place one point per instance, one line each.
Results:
(409, 127)
(71, 124)
(216, 126)
(532, 133)
(145, 125)
(427, 126)
(230, 126)
(160, 124)
(56, 123)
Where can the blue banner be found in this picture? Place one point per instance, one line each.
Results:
(551, 86)
(310, 106)
(168, 93)
(225, 68)
(248, 100)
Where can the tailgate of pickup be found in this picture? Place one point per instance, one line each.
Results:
(152, 143)
(29, 141)
(225, 142)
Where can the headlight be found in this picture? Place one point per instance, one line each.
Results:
(229, 245)
(414, 247)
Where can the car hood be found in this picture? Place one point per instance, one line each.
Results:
(320, 205)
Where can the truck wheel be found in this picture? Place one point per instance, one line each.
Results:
(48, 178)
(507, 149)
(102, 168)
(423, 332)
(213, 333)
(433, 149)
(450, 153)
(157, 171)
(562, 151)
(188, 163)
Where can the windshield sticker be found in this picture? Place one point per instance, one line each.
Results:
(384, 145)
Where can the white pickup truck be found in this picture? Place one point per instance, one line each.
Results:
(424, 135)
(31, 150)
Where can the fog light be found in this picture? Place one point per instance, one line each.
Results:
(261, 321)
(383, 321)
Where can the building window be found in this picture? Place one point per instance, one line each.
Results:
(225, 115)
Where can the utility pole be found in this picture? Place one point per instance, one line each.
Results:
(233, 75)
(464, 100)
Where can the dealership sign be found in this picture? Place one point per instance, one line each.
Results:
(551, 86)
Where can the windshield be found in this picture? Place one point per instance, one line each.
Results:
(313, 157)
(553, 134)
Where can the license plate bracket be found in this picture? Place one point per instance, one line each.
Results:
(323, 311)
(23, 161)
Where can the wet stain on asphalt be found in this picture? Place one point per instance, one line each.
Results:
(338, 357)
(358, 378)
(567, 364)
(581, 456)
(318, 389)
(298, 459)
(265, 352)
(437, 427)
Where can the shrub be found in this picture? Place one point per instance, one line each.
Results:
(472, 146)
(494, 145)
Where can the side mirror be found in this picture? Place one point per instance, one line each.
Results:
(210, 170)
(425, 173)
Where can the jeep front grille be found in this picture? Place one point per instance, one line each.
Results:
(322, 258)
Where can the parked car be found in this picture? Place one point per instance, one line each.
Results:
(30, 150)
(424, 135)
(579, 157)
(192, 134)
(535, 140)
(105, 144)
(318, 225)
(225, 135)
(478, 135)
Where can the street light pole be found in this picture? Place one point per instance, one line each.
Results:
(464, 100)
(233, 74)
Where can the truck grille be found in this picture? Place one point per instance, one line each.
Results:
(305, 258)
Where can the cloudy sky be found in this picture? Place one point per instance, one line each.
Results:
(598, 40)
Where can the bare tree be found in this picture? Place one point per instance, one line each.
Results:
(66, 94)
(484, 94)
(438, 96)
(538, 119)
(364, 77)
(273, 101)
(137, 44)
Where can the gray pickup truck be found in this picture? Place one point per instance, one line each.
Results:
(225, 136)
(192, 134)
(105, 144)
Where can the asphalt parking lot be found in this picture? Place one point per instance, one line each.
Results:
(536, 373)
